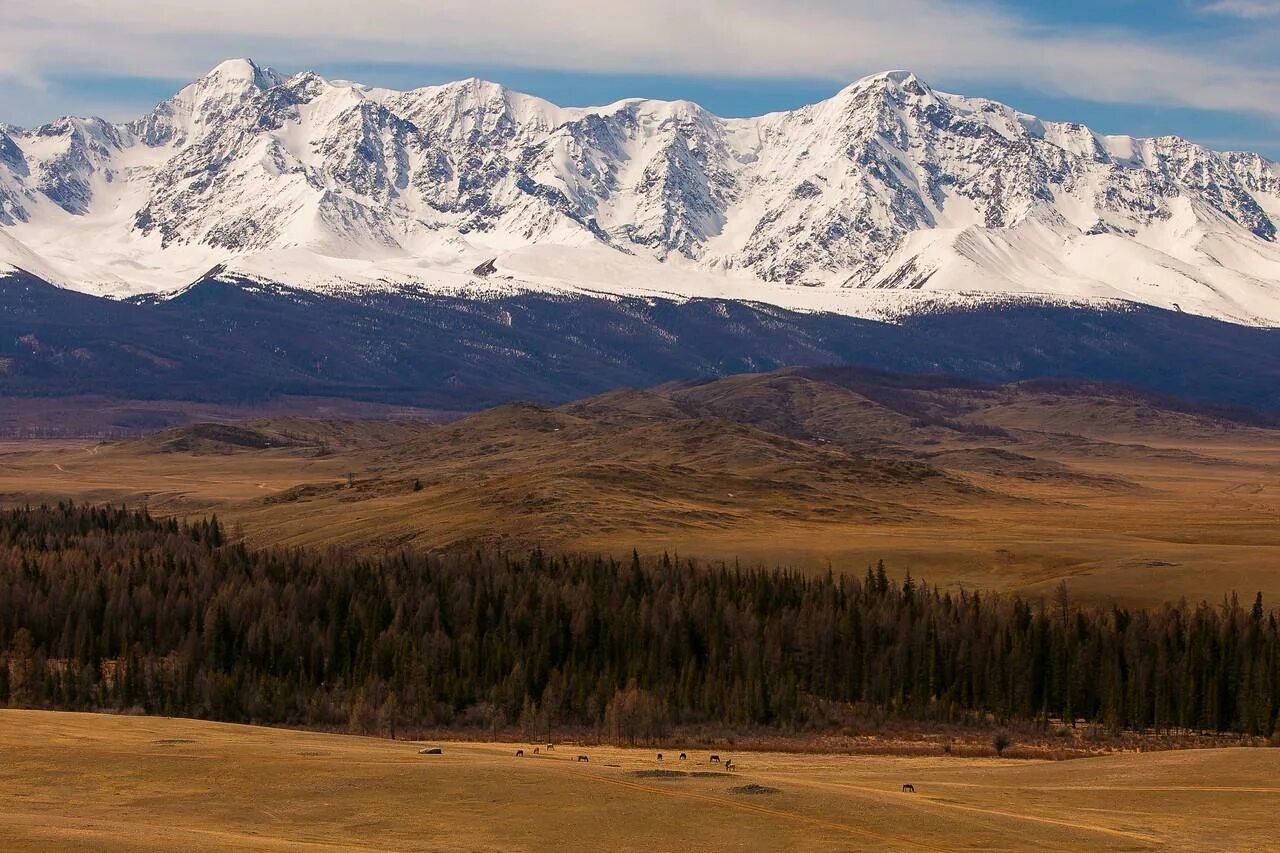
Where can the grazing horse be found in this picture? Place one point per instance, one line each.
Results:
(519, 753)
(728, 765)
(908, 788)
(551, 747)
(659, 756)
(535, 750)
(715, 759)
(583, 758)
(683, 756)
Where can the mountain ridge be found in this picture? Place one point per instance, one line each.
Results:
(239, 341)
(887, 195)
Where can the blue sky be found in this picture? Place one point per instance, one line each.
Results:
(1206, 69)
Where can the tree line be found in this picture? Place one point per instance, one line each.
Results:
(108, 608)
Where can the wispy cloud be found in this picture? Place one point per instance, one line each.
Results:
(1245, 8)
(945, 40)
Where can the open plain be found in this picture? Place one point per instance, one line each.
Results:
(95, 782)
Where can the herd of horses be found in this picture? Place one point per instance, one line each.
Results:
(727, 764)
(714, 759)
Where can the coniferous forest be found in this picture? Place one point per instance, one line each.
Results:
(105, 608)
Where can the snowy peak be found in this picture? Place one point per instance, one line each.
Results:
(204, 104)
(888, 192)
(230, 81)
(898, 86)
(245, 72)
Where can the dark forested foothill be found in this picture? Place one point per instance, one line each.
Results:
(103, 608)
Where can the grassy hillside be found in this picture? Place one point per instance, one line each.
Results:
(91, 782)
(1126, 496)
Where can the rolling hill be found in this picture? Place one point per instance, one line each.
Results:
(1125, 494)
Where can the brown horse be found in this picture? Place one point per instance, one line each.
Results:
(908, 788)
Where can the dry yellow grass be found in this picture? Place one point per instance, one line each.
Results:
(1126, 501)
(94, 782)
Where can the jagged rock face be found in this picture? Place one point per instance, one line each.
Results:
(841, 193)
(83, 148)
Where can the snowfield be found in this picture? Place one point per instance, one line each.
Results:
(889, 198)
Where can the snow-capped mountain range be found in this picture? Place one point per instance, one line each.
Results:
(887, 196)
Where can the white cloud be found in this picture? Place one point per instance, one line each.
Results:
(941, 39)
(1245, 8)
